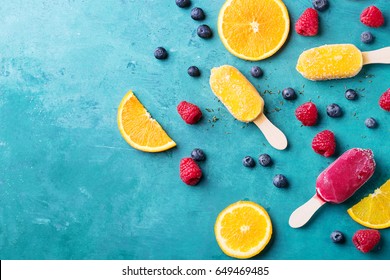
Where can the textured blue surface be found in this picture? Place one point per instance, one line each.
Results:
(72, 188)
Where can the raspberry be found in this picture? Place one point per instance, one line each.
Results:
(307, 24)
(307, 113)
(384, 100)
(190, 172)
(324, 143)
(372, 16)
(190, 113)
(366, 239)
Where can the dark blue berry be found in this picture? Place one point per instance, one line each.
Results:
(197, 14)
(320, 5)
(333, 110)
(183, 3)
(366, 37)
(289, 94)
(160, 53)
(350, 94)
(256, 72)
(204, 31)
(265, 160)
(280, 181)
(193, 71)
(248, 161)
(198, 155)
(370, 123)
(337, 237)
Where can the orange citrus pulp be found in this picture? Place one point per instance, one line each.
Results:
(139, 129)
(243, 229)
(373, 211)
(253, 29)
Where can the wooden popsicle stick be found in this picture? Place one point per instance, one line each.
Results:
(377, 56)
(274, 135)
(303, 213)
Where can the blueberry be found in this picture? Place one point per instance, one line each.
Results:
(280, 181)
(333, 110)
(265, 160)
(256, 72)
(320, 5)
(289, 94)
(366, 37)
(337, 237)
(183, 3)
(370, 123)
(198, 155)
(197, 14)
(350, 94)
(204, 31)
(160, 53)
(193, 71)
(248, 161)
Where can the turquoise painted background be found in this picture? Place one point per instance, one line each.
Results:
(72, 188)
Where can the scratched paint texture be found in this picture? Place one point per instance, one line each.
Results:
(70, 186)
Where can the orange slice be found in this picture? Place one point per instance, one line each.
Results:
(238, 95)
(253, 29)
(243, 229)
(139, 129)
(373, 211)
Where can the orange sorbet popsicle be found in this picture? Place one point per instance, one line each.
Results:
(337, 61)
(244, 102)
(238, 95)
(330, 62)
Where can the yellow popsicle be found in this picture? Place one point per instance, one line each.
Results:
(243, 101)
(238, 95)
(330, 62)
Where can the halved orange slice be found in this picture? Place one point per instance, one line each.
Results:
(253, 29)
(243, 229)
(139, 129)
(373, 211)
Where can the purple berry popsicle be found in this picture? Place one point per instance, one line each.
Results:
(346, 175)
(337, 183)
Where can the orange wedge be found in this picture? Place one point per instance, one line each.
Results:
(243, 229)
(373, 211)
(139, 129)
(253, 29)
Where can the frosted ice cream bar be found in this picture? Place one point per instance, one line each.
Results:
(346, 175)
(337, 61)
(238, 95)
(337, 183)
(244, 102)
(330, 62)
